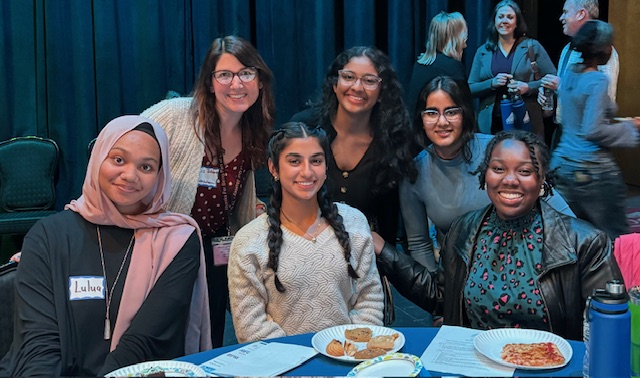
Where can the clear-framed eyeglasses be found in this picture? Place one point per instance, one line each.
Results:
(349, 78)
(225, 77)
(431, 116)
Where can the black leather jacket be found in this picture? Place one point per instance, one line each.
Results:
(576, 259)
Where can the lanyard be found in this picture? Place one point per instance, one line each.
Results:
(223, 182)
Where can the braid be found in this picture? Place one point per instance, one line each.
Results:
(330, 212)
(274, 238)
(533, 142)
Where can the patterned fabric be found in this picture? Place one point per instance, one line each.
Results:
(502, 288)
(319, 292)
(209, 206)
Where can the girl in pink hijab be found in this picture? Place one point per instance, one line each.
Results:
(114, 279)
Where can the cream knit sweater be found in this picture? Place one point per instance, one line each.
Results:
(185, 150)
(319, 292)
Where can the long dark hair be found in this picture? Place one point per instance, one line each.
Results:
(257, 121)
(278, 142)
(492, 33)
(533, 143)
(459, 92)
(392, 143)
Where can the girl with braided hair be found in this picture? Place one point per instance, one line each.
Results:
(308, 263)
(517, 262)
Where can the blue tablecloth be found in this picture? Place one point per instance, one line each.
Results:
(416, 341)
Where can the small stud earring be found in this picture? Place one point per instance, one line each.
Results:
(276, 178)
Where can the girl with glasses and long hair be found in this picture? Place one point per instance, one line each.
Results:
(218, 138)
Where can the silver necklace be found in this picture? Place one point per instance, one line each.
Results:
(318, 223)
(109, 293)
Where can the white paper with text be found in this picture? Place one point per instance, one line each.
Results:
(259, 359)
(452, 351)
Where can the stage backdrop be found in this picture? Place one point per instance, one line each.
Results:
(71, 66)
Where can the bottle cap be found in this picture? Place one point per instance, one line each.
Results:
(615, 288)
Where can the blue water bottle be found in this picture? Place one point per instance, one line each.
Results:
(520, 114)
(608, 340)
(506, 111)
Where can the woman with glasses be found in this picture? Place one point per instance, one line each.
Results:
(446, 188)
(362, 110)
(218, 138)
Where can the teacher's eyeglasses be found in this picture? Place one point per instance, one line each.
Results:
(431, 116)
(225, 77)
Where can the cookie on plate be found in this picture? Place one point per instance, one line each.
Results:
(368, 353)
(383, 341)
(359, 335)
(334, 348)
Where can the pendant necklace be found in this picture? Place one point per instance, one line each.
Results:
(109, 293)
(317, 223)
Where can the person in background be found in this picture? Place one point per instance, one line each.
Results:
(218, 138)
(516, 263)
(574, 14)
(589, 177)
(442, 56)
(446, 188)
(114, 279)
(503, 65)
(309, 263)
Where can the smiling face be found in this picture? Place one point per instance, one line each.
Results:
(236, 97)
(505, 21)
(512, 184)
(355, 98)
(130, 171)
(302, 169)
(445, 134)
(572, 18)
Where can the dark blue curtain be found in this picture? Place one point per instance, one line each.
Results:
(71, 66)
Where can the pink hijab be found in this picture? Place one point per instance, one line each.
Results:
(159, 235)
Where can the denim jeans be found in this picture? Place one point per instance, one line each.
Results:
(596, 197)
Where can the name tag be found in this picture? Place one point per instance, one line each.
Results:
(208, 177)
(221, 248)
(86, 287)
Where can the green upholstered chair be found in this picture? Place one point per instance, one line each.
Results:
(28, 167)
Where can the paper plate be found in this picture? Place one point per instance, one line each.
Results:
(321, 339)
(389, 365)
(169, 368)
(490, 344)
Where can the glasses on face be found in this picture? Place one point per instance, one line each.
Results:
(225, 77)
(431, 116)
(348, 78)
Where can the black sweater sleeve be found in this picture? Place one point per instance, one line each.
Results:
(157, 332)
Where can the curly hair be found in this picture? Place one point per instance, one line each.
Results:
(461, 96)
(492, 33)
(534, 143)
(278, 142)
(257, 121)
(392, 143)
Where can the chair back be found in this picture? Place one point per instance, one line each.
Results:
(7, 293)
(27, 173)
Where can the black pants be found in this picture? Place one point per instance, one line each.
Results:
(218, 294)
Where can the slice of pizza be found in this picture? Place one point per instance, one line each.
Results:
(534, 354)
